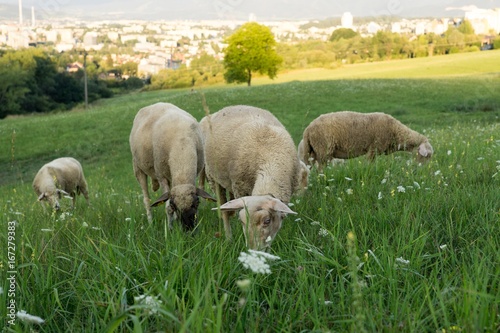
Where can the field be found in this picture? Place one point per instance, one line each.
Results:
(387, 246)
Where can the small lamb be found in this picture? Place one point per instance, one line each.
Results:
(167, 146)
(251, 156)
(62, 176)
(348, 134)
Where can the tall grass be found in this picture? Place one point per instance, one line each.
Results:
(387, 246)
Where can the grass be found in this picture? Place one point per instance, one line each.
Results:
(422, 255)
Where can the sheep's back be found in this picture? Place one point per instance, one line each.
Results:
(240, 144)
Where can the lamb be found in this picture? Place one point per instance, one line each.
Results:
(348, 134)
(62, 176)
(166, 145)
(252, 157)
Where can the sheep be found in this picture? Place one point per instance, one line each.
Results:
(251, 156)
(349, 134)
(166, 145)
(62, 176)
(253, 112)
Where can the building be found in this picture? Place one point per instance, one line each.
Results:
(347, 20)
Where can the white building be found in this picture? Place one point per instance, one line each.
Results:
(484, 20)
(347, 20)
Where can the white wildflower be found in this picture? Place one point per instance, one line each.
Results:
(339, 199)
(379, 195)
(323, 232)
(442, 247)
(383, 181)
(26, 317)
(150, 302)
(46, 230)
(256, 261)
(437, 173)
(417, 185)
(128, 219)
(349, 191)
(401, 189)
(400, 260)
(480, 158)
(85, 224)
(264, 254)
(328, 302)
(449, 152)
(291, 204)
(348, 179)
(315, 223)
(95, 228)
(244, 285)
(298, 219)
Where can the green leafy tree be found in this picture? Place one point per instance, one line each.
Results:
(252, 48)
(466, 28)
(342, 33)
(12, 88)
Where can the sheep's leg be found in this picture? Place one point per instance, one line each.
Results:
(221, 194)
(142, 178)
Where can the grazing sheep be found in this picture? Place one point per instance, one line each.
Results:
(261, 114)
(166, 145)
(250, 155)
(61, 176)
(348, 134)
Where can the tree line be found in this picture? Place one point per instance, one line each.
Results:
(36, 80)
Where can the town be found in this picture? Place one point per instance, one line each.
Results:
(158, 45)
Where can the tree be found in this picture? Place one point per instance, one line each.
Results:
(250, 49)
(466, 28)
(344, 33)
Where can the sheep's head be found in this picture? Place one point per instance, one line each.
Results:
(261, 217)
(53, 197)
(182, 201)
(424, 151)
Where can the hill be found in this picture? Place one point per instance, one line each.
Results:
(383, 246)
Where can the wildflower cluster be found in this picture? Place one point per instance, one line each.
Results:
(26, 317)
(150, 302)
(257, 261)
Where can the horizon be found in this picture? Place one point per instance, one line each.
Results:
(262, 10)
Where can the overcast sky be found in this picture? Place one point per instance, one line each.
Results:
(241, 9)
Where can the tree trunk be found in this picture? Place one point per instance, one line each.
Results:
(249, 77)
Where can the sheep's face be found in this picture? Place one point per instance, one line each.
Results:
(52, 198)
(182, 203)
(261, 218)
(424, 151)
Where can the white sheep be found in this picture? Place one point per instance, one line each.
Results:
(251, 156)
(166, 145)
(348, 134)
(62, 176)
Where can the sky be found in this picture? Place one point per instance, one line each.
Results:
(241, 9)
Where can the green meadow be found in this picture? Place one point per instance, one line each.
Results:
(384, 246)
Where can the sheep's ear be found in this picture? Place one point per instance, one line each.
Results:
(235, 204)
(164, 197)
(59, 191)
(205, 195)
(280, 206)
(42, 196)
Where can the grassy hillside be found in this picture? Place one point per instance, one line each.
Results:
(423, 255)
